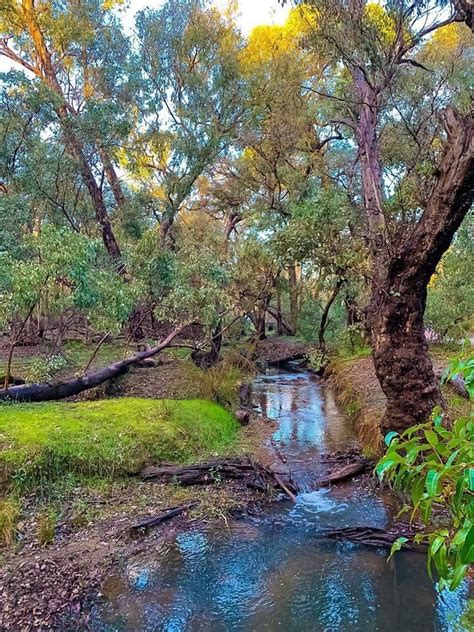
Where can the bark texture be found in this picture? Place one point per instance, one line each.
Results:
(399, 290)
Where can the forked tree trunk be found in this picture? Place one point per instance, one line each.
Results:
(399, 290)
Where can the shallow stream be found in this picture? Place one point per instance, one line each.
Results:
(273, 572)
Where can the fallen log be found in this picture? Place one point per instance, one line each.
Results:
(374, 536)
(342, 456)
(254, 475)
(348, 472)
(46, 391)
(154, 521)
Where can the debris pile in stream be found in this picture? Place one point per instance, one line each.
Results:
(253, 474)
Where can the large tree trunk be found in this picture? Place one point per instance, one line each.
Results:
(398, 299)
(67, 388)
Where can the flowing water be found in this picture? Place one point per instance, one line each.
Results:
(273, 572)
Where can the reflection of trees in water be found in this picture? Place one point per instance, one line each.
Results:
(258, 577)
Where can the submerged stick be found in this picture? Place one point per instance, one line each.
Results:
(166, 515)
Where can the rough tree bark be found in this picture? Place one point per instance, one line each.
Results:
(399, 288)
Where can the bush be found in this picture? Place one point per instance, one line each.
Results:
(432, 466)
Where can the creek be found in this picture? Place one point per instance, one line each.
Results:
(272, 572)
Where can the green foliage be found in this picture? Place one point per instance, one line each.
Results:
(432, 465)
(64, 270)
(450, 301)
(45, 443)
(44, 369)
(316, 359)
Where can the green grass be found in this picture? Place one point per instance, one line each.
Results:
(347, 354)
(43, 444)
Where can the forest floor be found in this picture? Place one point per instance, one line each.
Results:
(66, 542)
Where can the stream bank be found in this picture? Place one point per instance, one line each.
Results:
(274, 570)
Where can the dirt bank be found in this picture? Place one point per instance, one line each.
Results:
(360, 396)
(45, 587)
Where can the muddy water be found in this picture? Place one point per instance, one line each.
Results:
(273, 572)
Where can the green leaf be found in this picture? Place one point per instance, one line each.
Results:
(432, 438)
(383, 466)
(417, 491)
(458, 575)
(441, 561)
(432, 479)
(396, 546)
(467, 551)
(390, 436)
(471, 479)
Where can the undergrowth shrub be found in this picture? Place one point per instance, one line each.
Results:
(432, 466)
(9, 514)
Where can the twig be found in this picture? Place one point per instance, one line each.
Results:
(96, 350)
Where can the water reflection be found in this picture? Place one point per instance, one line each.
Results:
(274, 572)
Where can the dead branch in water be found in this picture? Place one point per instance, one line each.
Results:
(252, 473)
(374, 536)
(169, 513)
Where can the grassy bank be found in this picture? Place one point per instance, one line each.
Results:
(44, 444)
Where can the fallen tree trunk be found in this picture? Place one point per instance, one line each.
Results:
(154, 521)
(67, 388)
(255, 475)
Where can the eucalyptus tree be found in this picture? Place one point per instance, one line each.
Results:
(191, 103)
(39, 180)
(378, 49)
(73, 54)
(60, 270)
(322, 234)
(283, 147)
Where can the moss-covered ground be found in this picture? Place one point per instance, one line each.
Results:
(47, 443)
